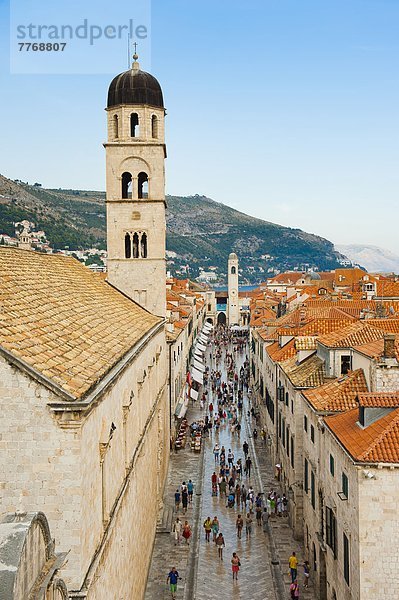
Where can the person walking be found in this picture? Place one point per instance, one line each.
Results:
(248, 525)
(177, 500)
(279, 506)
(239, 526)
(245, 448)
(220, 545)
(216, 450)
(190, 490)
(293, 564)
(248, 464)
(265, 520)
(214, 482)
(306, 574)
(208, 528)
(187, 532)
(177, 529)
(235, 565)
(222, 487)
(172, 579)
(244, 496)
(184, 498)
(294, 590)
(258, 513)
(215, 527)
(284, 500)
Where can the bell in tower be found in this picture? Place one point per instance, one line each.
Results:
(135, 184)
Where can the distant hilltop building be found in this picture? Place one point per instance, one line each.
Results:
(24, 235)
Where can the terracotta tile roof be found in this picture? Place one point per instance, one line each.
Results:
(327, 275)
(356, 334)
(261, 316)
(379, 399)
(371, 349)
(278, 354)
(309, 373)
(288, 277)
(305, 342)
(379, 442)
(387, 289)
(63, 320)
(339, 394)
(349, 276)
(390, 325)
(355, 305)
(314, 327)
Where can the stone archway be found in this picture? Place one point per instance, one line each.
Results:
(222, 320)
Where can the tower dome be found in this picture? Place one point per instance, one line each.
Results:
(135, 87)
(233, 256)
(314, 276)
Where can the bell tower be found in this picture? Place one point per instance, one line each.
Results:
(135, 188)
(233, 312)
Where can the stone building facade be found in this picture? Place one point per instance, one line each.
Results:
(85, 418)
(85, 425)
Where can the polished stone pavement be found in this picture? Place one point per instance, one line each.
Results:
(264, 558)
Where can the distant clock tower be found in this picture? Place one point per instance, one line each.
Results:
(135, 184)
(233, 312)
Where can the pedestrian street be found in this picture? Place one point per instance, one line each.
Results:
(214, 577)
(263, 574)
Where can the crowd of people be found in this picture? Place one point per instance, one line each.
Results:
(231, 482)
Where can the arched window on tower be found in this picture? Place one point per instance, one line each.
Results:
(154, 126)
(142, 185)
(233, 270)
(116, 127)
(135, 245)
(143, 245)
(134, 125)
(128, 246)
(126, 185)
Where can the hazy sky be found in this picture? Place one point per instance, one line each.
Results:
(285, 110)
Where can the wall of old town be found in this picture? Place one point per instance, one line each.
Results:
(95, 490)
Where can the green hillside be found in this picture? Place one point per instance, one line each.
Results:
(200, 231)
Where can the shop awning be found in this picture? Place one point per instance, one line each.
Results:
(193, 394)
(181, 409)
(201, 347)
(197, 375)
(198, 355)
(198, 365)
(202, 339)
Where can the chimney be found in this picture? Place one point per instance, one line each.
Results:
(389, 345)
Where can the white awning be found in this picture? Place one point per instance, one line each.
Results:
(181, 409)
(202, 339)
(204, 333)
(183, 412)
(208, 325)
(197, 375)
(198, 365)
(193, 394)
(201, 347)
(198, 355)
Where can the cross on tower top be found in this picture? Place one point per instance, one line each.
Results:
(135, 55)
